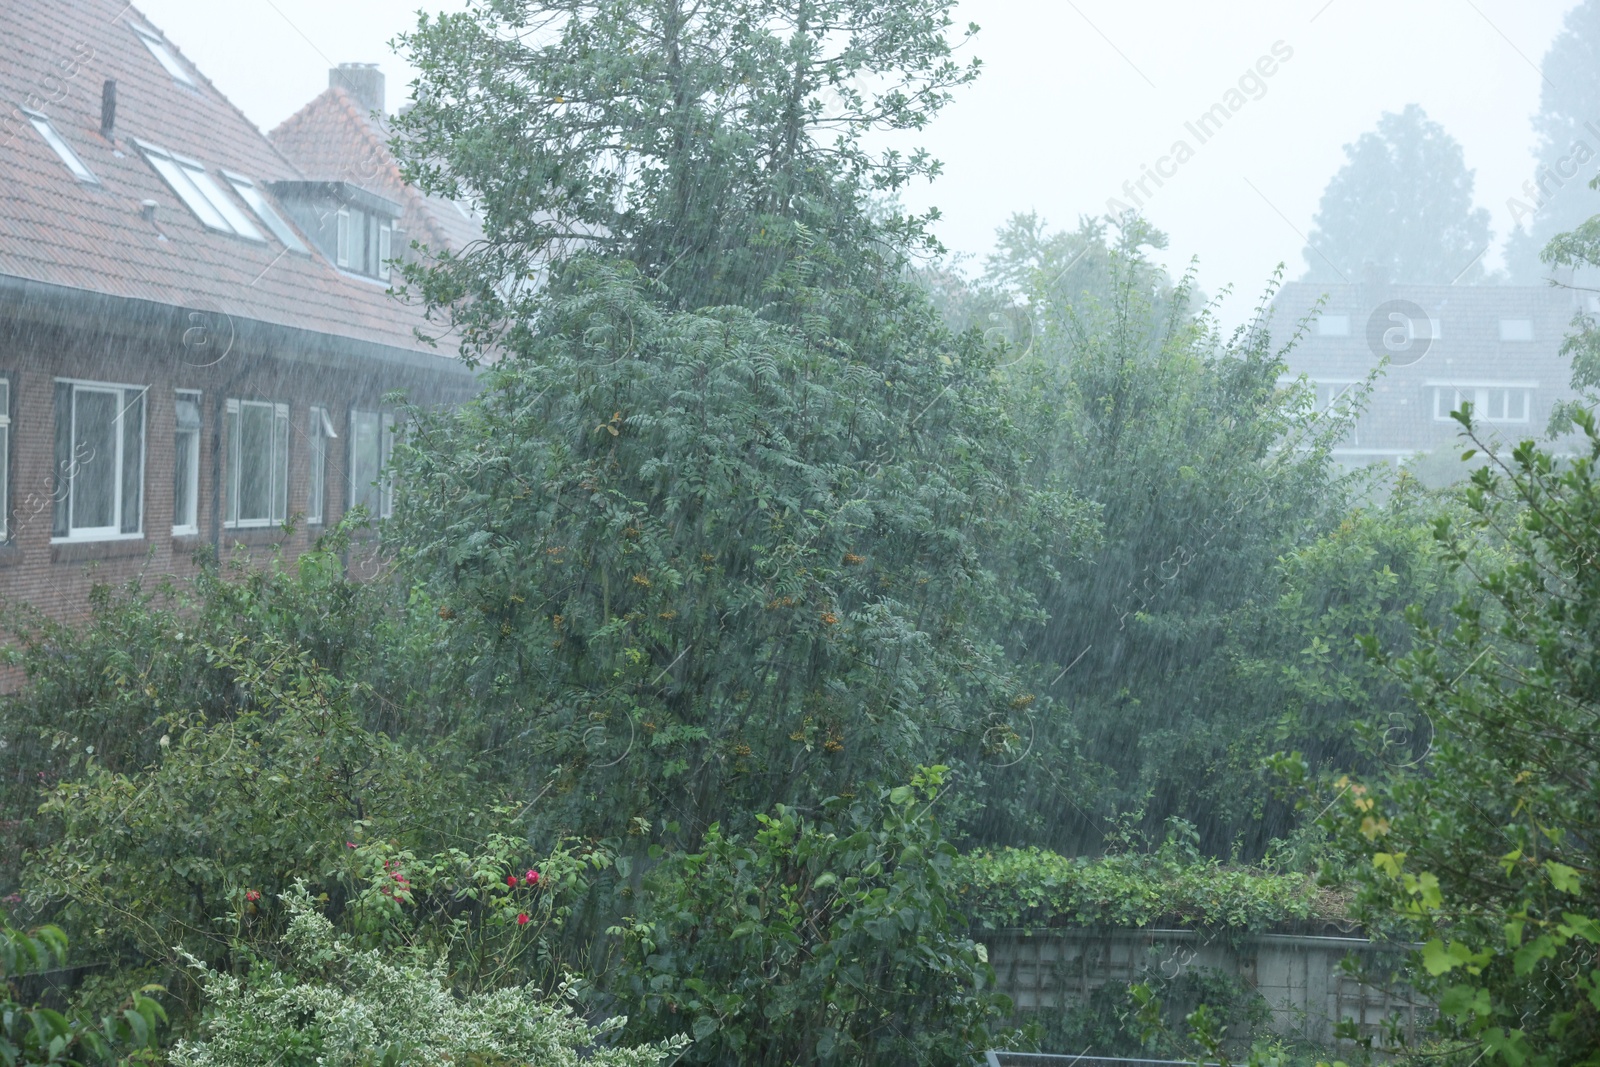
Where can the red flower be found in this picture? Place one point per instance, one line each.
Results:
(349, 844)
(511, 880)
(252, 895)
(532, 878)
(522, 918)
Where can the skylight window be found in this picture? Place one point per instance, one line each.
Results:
(196, 188)
(78, 168)
(252, 195)
(158, 48)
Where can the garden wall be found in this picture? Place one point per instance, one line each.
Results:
(1304, 979)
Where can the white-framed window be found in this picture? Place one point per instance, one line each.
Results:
(99, 454)
(5, 459)
(201, 193)
(371, 445)
(186, 463)
(252, 195)
(1333, 326)
(385, 249)
(342, 238)
(80, 170)
(169, 62)
(1491, 402)
(1423, 329)
(258, 463)
(1516, 329)
(320, 434)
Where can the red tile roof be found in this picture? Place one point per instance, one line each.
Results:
(60, 231)
(334, 138)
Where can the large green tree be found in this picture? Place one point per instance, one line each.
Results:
(671, 134)
(1556, 199)
(1400, 207)
(737, 520)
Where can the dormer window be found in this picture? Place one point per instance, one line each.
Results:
(79, 169)
(197, 189)
(343, 238)
(363, 243)
(158, 48)
(352, 226)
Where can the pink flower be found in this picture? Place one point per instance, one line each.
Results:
(511, 880)
(349, 844)
(522, 918)
(252, 895)
(532, 878)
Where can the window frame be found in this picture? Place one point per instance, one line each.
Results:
(76, 534)
(200, 193)
(1521, 324)
(1335, 325)
(382, 485)
(277, 465)
(341, 238)
(256, 200)
(385, 248)
(191, 528)
(6, 401)
(158, 47)
(320, 432)
(65, 152)
(1482, 394)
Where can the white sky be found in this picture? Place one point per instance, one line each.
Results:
(1077, 97)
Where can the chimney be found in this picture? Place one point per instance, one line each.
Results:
(363, 81)
(108, 110)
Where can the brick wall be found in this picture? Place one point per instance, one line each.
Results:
(206, 356)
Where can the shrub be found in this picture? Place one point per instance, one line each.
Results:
(339, 1006)
(822, 940)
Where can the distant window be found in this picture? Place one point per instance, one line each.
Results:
(1490, 403)
(258, 463)
(99, 453)
(342, 238)
(1516, 329)
(319, 435)
(79, 169)
(385, 250)
(197, 189)
(186, 464)
(158, 48)
(5, 459)
(252, 195)
(371, 444)
(1333, 326)
(1423, 329)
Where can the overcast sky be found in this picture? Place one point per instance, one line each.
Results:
(1079, 96)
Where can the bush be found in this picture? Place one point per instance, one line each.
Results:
(825, 940)
(1015, 887)
(338, 1006)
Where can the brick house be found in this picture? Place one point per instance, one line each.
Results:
(195, 339)
(1496, 346)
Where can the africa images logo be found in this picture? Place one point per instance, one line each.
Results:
(1400, 331)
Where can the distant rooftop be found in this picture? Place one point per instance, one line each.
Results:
(166, 201)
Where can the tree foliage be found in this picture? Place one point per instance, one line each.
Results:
(1400, 208)
(830, 938)
(667, 133)
(697, 563)
(1554, 201)
(1488, 855)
